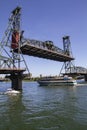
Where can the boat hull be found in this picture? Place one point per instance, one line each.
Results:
(57, 83)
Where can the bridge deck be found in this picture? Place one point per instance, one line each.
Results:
(10, 70)
(29, 49)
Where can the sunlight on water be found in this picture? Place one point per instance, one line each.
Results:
(43, 108)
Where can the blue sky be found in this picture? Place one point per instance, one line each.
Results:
(50, 20)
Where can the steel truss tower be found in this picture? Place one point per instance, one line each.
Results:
(11, 40)
(67, 50)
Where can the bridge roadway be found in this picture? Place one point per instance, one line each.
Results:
(11, 70)
(37, 49)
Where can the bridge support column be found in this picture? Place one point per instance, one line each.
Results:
(86, 77)
(16, 80)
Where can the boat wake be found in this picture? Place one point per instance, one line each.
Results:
(11, 92)
(81, 84)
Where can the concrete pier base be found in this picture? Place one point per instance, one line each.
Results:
(15, 75)
(16, 81)
(85, 77)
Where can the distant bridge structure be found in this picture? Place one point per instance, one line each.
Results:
(79, 70)
(76, 71)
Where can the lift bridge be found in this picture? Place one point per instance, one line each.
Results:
(14, 46)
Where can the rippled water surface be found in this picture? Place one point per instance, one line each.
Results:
(43, 108)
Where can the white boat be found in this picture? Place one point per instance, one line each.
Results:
(60, 81)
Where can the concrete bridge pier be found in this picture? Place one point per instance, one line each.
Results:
(16, 80)
(85, 77)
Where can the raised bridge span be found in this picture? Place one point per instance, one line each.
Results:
(45, 50)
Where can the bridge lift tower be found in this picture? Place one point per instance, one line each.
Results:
(67, 49)
(10, 63)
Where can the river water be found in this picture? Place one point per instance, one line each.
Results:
(43, 108)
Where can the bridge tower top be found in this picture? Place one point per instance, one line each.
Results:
(15, 18)
(67, 45)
